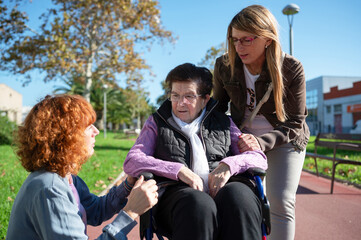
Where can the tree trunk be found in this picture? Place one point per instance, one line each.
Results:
(87, 89)
(88, 78)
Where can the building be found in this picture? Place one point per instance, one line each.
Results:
(11, 103)
(334, 103)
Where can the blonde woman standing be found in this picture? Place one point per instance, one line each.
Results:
(255, 72)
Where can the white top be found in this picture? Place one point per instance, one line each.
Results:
(260, 124)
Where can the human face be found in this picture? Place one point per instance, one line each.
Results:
(183, 109)
(90, 132)
(253, 56)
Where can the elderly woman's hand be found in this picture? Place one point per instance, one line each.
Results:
(218, 178)
(143, 196)
(248, 142)
(189, 177)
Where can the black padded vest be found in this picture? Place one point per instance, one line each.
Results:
(173, 145)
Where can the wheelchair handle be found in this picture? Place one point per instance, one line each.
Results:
(147, 175)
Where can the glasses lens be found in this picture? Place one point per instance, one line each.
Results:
(174, 97)
(190, 98)
(233, 40)
(246, 41)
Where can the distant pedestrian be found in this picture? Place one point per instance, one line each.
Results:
(255, 71)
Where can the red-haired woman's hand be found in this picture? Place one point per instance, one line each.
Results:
(143, 197)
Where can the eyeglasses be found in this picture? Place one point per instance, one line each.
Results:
(190, 98)
(245, 41)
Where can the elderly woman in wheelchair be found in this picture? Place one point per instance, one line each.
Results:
(187, 141)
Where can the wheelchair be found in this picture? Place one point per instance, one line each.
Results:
(252, 178)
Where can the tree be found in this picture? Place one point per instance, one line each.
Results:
(117, 109)
(210, 58)
(137, 99)
(90, 39)
(164, 96)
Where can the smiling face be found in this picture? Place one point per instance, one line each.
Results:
(90, 132)
(184, 109)
(253, 56)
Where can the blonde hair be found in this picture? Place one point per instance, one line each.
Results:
(259, 20)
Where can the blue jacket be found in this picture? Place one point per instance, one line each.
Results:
(45, 208)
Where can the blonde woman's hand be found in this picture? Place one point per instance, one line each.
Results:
(143, 197)
(189, 177)
(248, 142)
(218, 178)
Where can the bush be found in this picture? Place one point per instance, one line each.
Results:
(7, 129)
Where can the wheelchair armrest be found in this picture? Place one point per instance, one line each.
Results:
(255, 171)
(162, 182)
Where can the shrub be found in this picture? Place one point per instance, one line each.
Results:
(7, 128)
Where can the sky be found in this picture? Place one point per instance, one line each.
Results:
(326, 38)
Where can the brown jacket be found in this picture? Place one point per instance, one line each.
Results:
(233, 90)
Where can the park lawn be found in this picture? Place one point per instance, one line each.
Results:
(98, 172)
(12, 175)
(346, 172)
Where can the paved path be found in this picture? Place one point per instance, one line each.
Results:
(319, 214)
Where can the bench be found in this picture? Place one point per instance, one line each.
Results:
(336, 141)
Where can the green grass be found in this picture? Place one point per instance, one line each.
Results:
(346, 172)
(12, 175)
(98, 172)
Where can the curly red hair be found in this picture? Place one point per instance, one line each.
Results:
(52, 136)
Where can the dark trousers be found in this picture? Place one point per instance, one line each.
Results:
(185, 213)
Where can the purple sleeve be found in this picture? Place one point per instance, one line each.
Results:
(140, 157)
(240, 162)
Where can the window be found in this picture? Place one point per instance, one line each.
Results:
(337, 108)
(328, 109)
(311, 99)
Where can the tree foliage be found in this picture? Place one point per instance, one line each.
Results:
(164, 96)
(90, 39)
(137, 99)
(118, 111)
(7, 129)
(210, 58)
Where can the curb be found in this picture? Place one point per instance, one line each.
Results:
(114, 183)
(336, 179)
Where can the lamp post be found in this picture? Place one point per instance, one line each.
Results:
(105, 86)
(290, 10)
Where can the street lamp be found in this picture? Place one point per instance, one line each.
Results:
(105, 86)
(290, 10)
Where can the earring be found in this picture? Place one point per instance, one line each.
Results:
(266, 46)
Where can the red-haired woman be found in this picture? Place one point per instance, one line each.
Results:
(57, 137)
